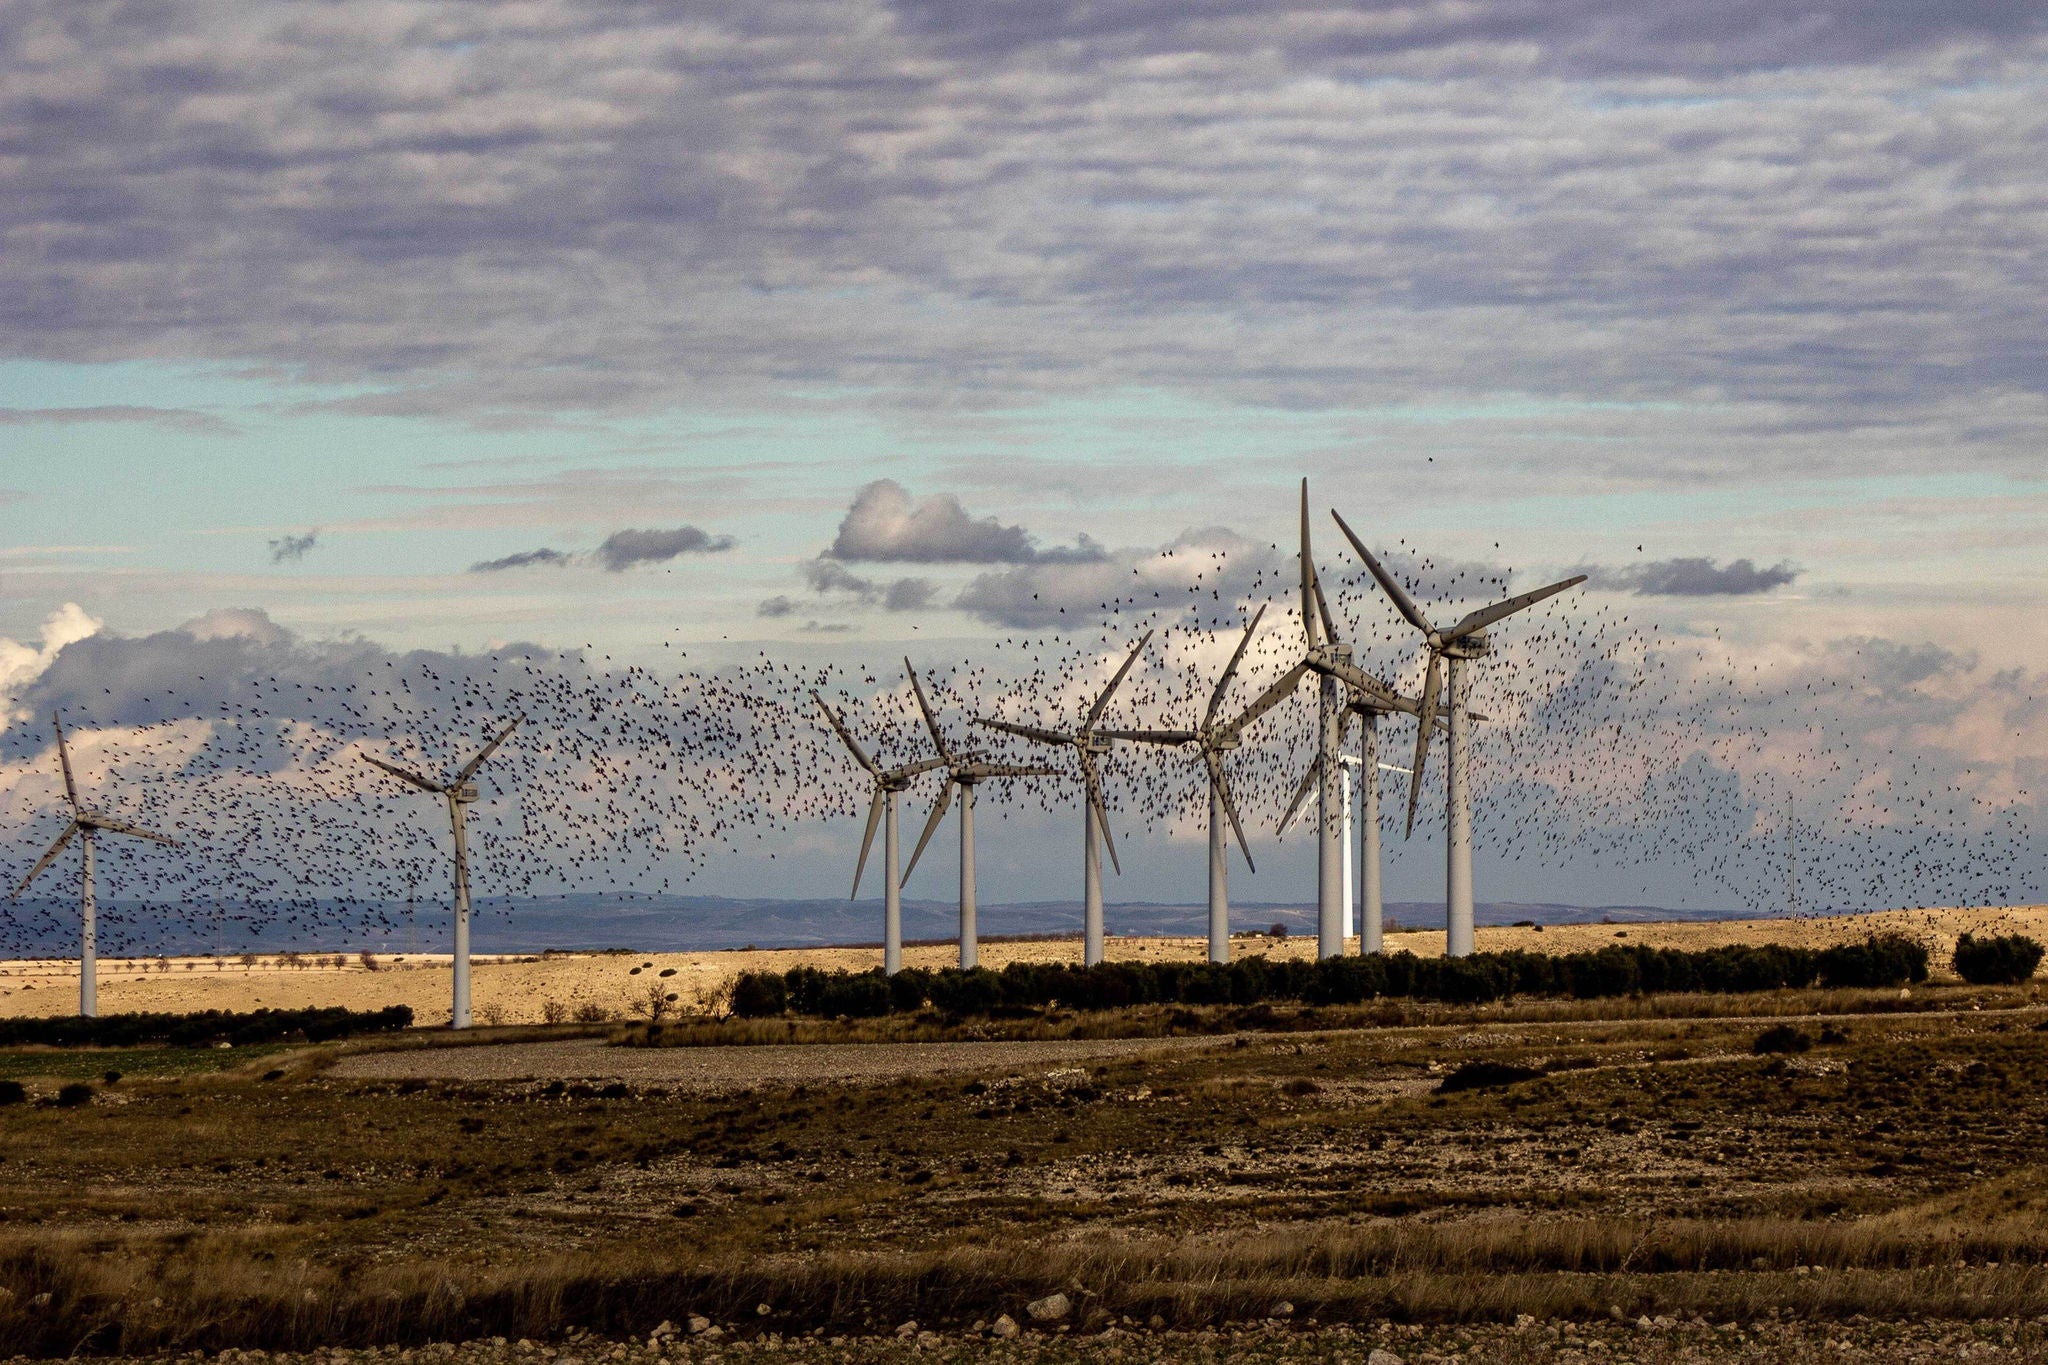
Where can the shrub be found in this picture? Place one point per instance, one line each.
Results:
(1485, 1075)
(73, 1095)
(1780, 1038)
(759, 995)
(1880, 960)
(11, 1093)
(1998, 961)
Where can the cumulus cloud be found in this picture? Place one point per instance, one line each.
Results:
(1694, 578)
(886, 524)
(624, 549)
(524, 559)
(290, 549)
(775, 607)
(21, 664)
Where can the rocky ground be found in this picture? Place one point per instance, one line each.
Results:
(1281, 1342)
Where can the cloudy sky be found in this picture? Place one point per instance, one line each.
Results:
(840, 328)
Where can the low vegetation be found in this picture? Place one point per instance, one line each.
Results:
(202, 1029)
(1996, 960)
(1619, 970)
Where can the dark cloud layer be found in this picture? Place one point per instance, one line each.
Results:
(1708, 239)
(525, 559)
(1694, 578)
(624, 549)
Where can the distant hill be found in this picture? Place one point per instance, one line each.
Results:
(705, 923)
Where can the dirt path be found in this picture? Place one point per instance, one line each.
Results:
(734, 1068)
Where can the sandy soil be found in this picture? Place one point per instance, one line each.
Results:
(515, 990)
(731, 1068)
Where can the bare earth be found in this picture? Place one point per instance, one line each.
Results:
(517, 990)
(713, 1069)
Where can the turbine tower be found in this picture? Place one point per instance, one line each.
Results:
(1088, 745)
(890, 784)
(1450, 653)
(964, 770)
(84, 823)
(1325, 654)
(1213, 742)
(1371, 904)
(460, 794)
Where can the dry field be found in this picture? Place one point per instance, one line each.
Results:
(517, 990)
(1635, 1182)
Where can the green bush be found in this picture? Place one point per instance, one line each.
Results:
(73, 1095)
(1880, 960)
(11, 1093)
(759, 995)
(1998, 961)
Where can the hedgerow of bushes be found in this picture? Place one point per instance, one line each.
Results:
(204, 1028)
(2002, 960)
(1882, 960)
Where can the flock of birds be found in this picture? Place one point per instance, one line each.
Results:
(1606, 744)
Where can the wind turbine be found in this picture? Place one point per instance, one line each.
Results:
(1325, 654)
(1088, 744)
(460, 793)
(890, 784)
(964, 770)
(1213, 741)
(1450, 651)
(84, 823)
(1370, 899)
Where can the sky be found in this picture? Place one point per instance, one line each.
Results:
(847, 330)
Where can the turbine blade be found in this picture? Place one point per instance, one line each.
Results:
(1093, 781)
(860, 755)
(1486, 616)
(1230, 669)
(1387, 584)
(402, 775)
(1361, 681)
(46, 859)
(120, 827)
(867, 841)
(64, 759)
(469, 771)
(1301, 793)
(1308, 576)
(1267, 700)
(1017, 770)
(1315, 581)
(925, 708)
(1216, 775)
(1152, 736)
(917, 769)
(931, 826)
(1095, 711)
(1425, 725)
(1043, 736)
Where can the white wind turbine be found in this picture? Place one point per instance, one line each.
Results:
(890, 784)
(1370, 899)
(84, 824)
(1449, 653)
(460, 793)
(1325, 654)
(1088, 744)
(964, 770)
(1213, 742)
